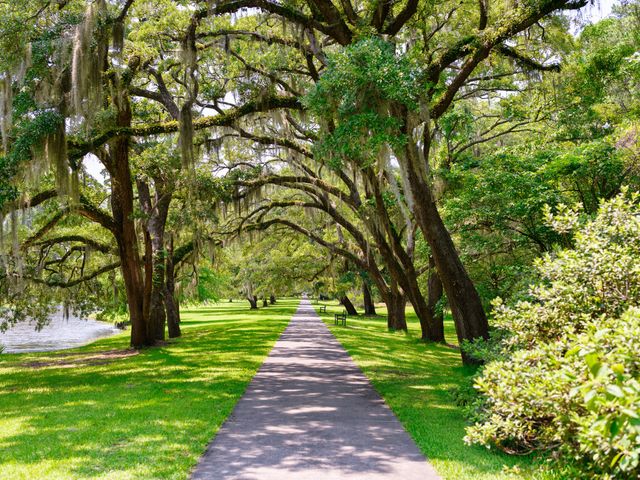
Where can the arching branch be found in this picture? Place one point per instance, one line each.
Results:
(526, 62)
(403, 17)
(77, 281)
(307, 233)
(78, 148)
(94, 244)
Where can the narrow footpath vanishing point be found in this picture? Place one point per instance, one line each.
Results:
(311, 414)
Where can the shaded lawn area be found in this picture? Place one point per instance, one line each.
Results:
(416, 379)
(102, 412)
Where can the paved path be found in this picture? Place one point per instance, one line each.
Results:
(310, 414)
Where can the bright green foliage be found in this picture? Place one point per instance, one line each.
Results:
(600, 276)
(507, 193)
(567, 373)
(355, 89)
(29, 135)
(210, 284)
(600, 86)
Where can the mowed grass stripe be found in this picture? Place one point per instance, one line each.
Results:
(87, 413)
(416, 380)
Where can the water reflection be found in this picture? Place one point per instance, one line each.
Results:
(61, 333)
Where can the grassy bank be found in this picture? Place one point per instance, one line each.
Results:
(106, 412)
(415, 380)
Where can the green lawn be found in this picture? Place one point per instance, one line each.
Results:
(99, 412)
(94, 414)
(415, 380)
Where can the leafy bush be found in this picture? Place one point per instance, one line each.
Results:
(565, 374)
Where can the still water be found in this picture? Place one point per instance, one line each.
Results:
(61, 333)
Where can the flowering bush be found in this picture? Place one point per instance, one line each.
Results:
(566, 373)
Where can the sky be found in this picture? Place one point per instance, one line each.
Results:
(591, 13)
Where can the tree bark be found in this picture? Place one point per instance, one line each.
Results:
(399, 262)
(468, 313)
(122, 207)
(348, 306)
(272, 299)
(396, 316)
(156, 211)
(369, 306)
(265, 303)
(171, 305)
(435, 294)
(253, 302)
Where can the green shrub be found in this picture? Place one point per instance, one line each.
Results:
(564, 376)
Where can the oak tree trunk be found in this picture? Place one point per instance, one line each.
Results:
(170, 302)
(253, 302)
(348, 306)
(468, 313)
(400, 264)
(369, 306)
(122, 207)
(396, 316)
(435, 294)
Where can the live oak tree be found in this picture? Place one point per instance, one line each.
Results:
(406, 103)
(392, 114)
(84, 104)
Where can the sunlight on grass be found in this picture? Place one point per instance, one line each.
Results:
(416, 380)
(145, 416)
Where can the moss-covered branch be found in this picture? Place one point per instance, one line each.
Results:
(79, 148)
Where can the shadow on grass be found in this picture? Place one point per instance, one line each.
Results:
(416, 380)
(146, 416)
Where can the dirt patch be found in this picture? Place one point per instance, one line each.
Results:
(70, 360)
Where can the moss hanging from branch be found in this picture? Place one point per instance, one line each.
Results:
(186, 136)
(15, 247)
(56, 154)
(118, 35)
(189, 56)
(90, 46)
(6, 109)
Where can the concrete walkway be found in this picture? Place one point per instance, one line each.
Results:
(310, 414)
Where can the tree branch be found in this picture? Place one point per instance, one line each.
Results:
(78, 148)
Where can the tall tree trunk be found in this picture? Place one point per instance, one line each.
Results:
(170, 302)
(348, 306)
(435, 294)
(122, 207)
(400, 262)
(468, 313)
(253, 302)
(369, 306)
(431, 327)
(156, 211)
(396, 315)
(272, 299)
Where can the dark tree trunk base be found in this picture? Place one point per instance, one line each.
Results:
(396, 318)
(369, 306)
(348, 306)
(253, 302)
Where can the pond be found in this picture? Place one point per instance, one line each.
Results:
(60, 334)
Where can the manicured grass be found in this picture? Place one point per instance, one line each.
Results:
(93, 414)
(416, 379)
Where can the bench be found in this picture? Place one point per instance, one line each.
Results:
(322, 309)
(341, 317)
